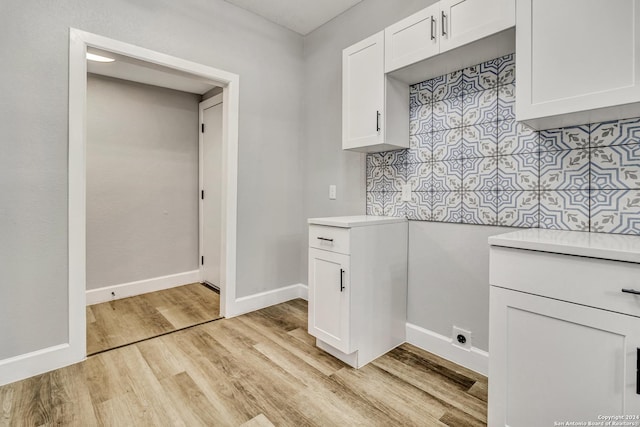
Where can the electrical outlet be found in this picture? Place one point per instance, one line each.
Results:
(461, 338)
(332, 192)
(406, 193)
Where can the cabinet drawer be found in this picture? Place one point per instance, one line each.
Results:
(588, 281)
(334, 239)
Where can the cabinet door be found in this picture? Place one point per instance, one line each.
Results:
(465, 21)
(329, 290)
(363, 92)
(413, 39)
(557, 361)
(576, 55)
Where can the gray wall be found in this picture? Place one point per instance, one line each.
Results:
(449, 277)
(34, 40)
(142, 181)
(448, 266)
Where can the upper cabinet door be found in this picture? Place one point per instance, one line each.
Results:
(465, 21)
(363, 92)
(575, 56)
(413, 39)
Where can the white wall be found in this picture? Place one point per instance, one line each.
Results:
(34, 41)
(142, 181)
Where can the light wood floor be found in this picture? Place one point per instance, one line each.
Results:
(128, 320)
(259, 369)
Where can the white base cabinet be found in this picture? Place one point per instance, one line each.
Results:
(578, 61)
(358, 286)
(564, 338)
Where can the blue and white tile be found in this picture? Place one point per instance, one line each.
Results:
(375, 179)
(420, 177)
(564, 170)
(446, 206)
(480, 77)
(480, 174)
(447, 86)
(397, 157)
(518, 208)
(423, 121)
(447, 144)
(480, 107)
(397, 176)
(414, 103)
(447, 113)
(385, 178)
(617, 132)
(479, 207)
(375, 203)
(519, 172)
(420, 148)
(564, 139)
(615, 211)
(480, 140)
(394, 205)
(517, 138)
(506, 69)
(447, 175)
(564, 210)
(507, 102)
(419, 207)
(615, 167)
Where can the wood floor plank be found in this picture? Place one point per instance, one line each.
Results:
(124, 321)
(404, 403)
(259, 421)
(259, 369)
(434, 383)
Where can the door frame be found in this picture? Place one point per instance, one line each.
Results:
(79, 41)
(206, 104)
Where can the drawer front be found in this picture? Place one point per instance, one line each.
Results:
(334, 239)
(592, 282)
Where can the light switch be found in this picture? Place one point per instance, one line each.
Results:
(332, 192)
(406, 193)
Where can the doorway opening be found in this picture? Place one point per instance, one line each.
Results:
(153, 65)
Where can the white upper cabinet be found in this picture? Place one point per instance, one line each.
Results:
(465, 21)
(412, 39)
(443, 26)
(372, 104)
(578, 61)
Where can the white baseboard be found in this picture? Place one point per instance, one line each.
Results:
(474, 359)
(265, 299)
(95, 296)
(38, 362)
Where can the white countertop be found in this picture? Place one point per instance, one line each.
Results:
(355, 221)
(616, 247)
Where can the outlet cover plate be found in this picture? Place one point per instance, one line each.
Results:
(454, 338)
(406, 193)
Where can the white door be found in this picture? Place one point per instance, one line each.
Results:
(329, 291)
(363, 92)
(554, 361)
(211, 193)
(465, 21)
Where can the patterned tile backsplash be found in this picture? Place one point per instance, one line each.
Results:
(470, 162)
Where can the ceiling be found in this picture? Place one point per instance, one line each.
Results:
(127, 68)
(301, 16)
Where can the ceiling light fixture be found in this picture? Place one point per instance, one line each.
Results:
(98, 58)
